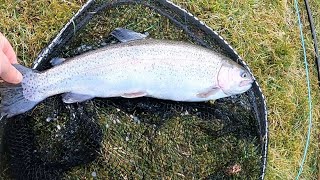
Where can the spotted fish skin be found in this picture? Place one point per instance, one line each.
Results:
(161, 69)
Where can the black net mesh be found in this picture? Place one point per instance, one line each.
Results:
(44, 150)
(140, 138)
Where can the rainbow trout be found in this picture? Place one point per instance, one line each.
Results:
(160, 69)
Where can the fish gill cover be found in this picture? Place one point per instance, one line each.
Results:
(143, 137)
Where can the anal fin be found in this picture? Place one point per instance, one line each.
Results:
(73, 98)
(134, 95)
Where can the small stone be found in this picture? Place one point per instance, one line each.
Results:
(49, 119)
(185, 113)
(58, 127)
(94, 174)
(118, 121)
(136, 119)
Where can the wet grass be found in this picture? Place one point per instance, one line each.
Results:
(265, 34)
(179, 148)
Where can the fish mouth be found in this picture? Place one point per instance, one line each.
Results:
(246, 82)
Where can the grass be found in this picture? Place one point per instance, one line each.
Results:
(265, 34)
(178, 148)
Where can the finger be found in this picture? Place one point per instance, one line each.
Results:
(8, 72)
(7, 49)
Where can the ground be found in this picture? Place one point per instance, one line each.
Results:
(264, 33)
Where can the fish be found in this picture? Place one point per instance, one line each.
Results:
(162, 69)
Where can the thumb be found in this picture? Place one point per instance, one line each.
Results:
(8, 72)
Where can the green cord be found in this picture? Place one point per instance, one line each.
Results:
(309, 92)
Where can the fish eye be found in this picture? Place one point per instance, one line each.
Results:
(244, 75)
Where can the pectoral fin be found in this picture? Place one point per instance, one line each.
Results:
(134, 95)
(126, 35)
(208, 92)
(73, 98)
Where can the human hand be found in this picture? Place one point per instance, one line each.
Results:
(8, 57)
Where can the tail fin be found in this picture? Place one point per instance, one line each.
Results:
(12, 100)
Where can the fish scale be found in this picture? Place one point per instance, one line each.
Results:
(162, 69)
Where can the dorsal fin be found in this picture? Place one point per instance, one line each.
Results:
(126, 35)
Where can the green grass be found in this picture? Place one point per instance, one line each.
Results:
(178, 148)
(265, 34)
